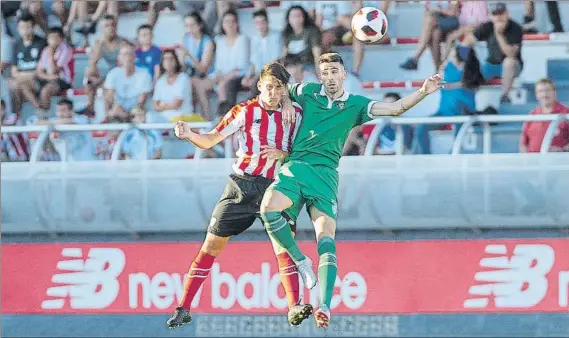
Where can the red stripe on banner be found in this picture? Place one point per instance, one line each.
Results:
(405, 277)
(249, 117)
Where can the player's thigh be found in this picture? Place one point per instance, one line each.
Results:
(236, 210)
(324, 225)
(320, 190)
(283, 194)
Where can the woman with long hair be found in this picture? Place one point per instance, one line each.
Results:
(461, 71)
(301, 37)
(230, 65)
(172, 95)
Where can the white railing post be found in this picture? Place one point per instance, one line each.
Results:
(549, 134)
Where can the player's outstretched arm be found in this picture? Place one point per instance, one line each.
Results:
(431, 85)
(203, 141)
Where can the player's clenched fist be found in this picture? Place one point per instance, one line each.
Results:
(182, 130)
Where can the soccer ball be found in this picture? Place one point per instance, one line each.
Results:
(369, 24)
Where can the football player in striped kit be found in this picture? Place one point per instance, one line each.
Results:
(264, 141)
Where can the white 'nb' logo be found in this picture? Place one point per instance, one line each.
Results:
(89, 283)
(516, 282)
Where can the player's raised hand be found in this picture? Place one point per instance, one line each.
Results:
(272, 153)
(182, 130)
(433, 83)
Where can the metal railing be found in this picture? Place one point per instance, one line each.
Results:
(466, 123)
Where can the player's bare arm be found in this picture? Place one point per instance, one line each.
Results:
(203, 141)
(431, 85)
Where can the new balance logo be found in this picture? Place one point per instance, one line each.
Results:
(519, 281)
(88, 283)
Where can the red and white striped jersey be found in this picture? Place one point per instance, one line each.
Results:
(14, 146)
(63, 58)
(257, 127)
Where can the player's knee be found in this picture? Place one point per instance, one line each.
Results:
(213, 244)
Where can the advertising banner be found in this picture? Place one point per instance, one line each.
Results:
(407, 277)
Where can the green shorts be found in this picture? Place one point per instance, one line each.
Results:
(314, 186)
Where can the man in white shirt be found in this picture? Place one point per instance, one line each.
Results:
(265, 48)
(66, 146)
(129, 85)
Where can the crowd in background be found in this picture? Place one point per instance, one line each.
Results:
(145, 83)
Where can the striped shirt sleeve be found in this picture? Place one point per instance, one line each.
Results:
(233, 120)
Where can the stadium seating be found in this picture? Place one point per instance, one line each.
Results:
(380, 71)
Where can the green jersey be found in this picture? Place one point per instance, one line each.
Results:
(325, 124)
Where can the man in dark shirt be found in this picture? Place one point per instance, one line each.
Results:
(503, 38)
(27, 52)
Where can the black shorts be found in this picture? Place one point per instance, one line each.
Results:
(239, 205)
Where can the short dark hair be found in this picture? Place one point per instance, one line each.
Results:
(395, 96)
(330, 57)
(56, 30)
(292, 60)
(277, 70)
(144, 26)
(65, 102)
(261, 12)
(26, 17)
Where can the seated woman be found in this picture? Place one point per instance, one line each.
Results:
(301, 37)
(172, 92)
(462, 73)
(197, 52)
(230, 66)
(441, 18)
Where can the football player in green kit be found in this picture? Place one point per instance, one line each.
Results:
(309, 175)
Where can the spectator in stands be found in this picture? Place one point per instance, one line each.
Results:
(295, 67)
(79, 12)
(60, 9)
(530, 26)
(6, 49)
(301, 36)
(148, 55)
(441, 18)
(462, 73)
(13, 146)
(172, 93)
(157, 7)
(115, 7)
(27, 52)
(231, 64)
(472, 15)
(309, 6)
(128, 85)
(68, 146)
(36, 10)
(6, 96)
(358, 46)
(533, 133)
(105, 143)
(106, 48)
(503, 38)
(142, 144)
(55, 71)
(265, 48)
(198, 49)
(206, 10)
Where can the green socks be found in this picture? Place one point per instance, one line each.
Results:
(327, 269)
(279, 231)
